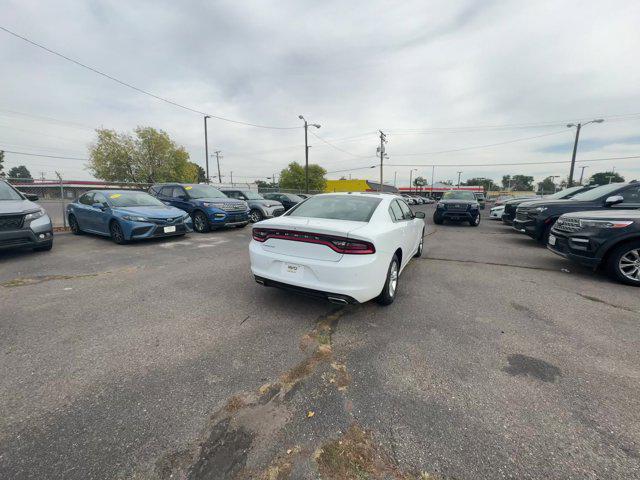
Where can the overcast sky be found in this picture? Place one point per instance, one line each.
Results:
(418, 70)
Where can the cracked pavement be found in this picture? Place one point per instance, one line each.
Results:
(165, 360)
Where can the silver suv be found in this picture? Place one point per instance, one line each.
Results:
(23, 224)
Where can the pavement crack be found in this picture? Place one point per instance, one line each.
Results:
(24, 281)
(496, 264)
(604, 302)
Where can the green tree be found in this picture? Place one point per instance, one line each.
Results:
(202, 175)
(148, 156)
(1, 163)
(547, 185)
(602, 178)
(519, 183)
(486, 183)
(263, 184)
(419, 182)
(293, 177)
(20, 172)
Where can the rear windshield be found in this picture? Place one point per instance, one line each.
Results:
(8, 193)
(597, 192)
(337, 207)
(133, 199)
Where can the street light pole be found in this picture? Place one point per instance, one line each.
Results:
(306, 151)
(433, 171)
(575, 145)
(206, 146)
(218, 156)
(381, 150)
(411, 179)
(582, 173)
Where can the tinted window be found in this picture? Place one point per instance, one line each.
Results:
(177, 192)
(337, 207)
(99, 198)
(292, 197)
(8, 193)
(406, 211)
(597, 192)
(252, 195)
(396, 211)
(132, 199)
(203, 191)
(86, 199)
(166, 191)
(232, 193)
(632, 195)
(458, 195)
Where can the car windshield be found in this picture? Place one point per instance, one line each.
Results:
(458, 195)
(566, 193)
(203, 191)
(133, 199)
(597, 192)
(252, 195)
(337, 207)
(8, 193)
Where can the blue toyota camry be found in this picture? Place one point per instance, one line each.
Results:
(126, 215)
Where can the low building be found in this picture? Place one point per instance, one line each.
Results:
(357, 185)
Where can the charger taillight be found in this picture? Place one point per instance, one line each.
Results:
(342, 245)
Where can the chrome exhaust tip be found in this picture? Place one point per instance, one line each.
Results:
(338, 300)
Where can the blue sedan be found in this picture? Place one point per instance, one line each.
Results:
(126, 215)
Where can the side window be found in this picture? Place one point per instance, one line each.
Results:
(406, 211)
(232, 194)
(86, 199)
(99, 198)
(178, 192)
(396, 211)
(631, 195)
(166, 191)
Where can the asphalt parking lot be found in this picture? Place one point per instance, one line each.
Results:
(165, 360)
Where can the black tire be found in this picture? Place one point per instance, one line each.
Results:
(255, 215)
(44, 248)
(544, 239)
(621, 256)
(420, 247)
(437, 219)
(242, 225)
(388, 294)
(74, 225)
(117, 235)
(475, 222)
(200, 222)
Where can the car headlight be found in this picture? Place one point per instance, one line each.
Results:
(134, 218)
(540, 209)
(440, 205)
(212, 205)
(34, 215)
(605, 223)
(473, 206)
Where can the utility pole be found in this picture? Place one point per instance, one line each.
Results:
(433, 171)
(218, 157)
(411, 180)
(575, 145)
(64, 216)
(582, 173)
(206, 146)
(306, 152)
(383, 140)
(459, 173)
(232, 179)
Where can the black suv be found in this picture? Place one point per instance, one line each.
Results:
(260, 208)
(457, 206)
(287, 200)
(511, 206)
(536, 218)
(610, 238)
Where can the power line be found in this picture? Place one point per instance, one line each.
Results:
(137, 89)
(513, 163)
(45, 156)
(48, 119)
(340, 149)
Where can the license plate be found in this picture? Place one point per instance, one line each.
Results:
(169, 229)
(552, 240)
(293, 270)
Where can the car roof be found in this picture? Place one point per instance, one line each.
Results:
(111, 191)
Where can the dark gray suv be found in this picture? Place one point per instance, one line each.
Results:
(260, 208)
(23, 224)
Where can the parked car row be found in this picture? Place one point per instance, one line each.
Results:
(168, 209)
(593, 226)
(417, 199)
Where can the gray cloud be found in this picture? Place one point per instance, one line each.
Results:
(354, 67)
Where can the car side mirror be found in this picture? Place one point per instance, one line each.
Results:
(613, 200)
(419, 215)
(31, 196)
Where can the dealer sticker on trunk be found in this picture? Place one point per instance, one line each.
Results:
(291, 269)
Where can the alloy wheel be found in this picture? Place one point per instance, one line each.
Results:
(393, 279)
(629, 265)
(255, 216)
(199, 222)
(116, 233)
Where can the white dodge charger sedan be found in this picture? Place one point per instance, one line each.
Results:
(345, 247)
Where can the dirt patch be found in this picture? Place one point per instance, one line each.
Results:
(24, 281)
(234, 404)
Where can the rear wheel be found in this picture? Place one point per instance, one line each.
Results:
(255, 215)
(475, 221)
(117, 235)
(437, 219)
(420, 247)
(201, 222)
(74, 226)
(388, 294)
(624, 263)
